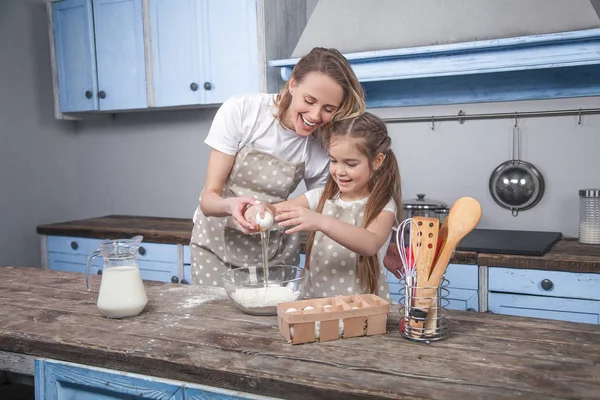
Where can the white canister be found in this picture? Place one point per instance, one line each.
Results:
(589, 216)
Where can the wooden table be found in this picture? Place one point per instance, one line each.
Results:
(195, 334)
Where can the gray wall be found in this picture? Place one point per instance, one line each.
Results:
(154, 163)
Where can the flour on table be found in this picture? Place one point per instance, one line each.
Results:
(261, 297)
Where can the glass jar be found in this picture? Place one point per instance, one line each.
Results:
(589, 216)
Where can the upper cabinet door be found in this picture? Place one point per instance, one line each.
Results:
(72, 23)
(231, 45)
(118, 25)
(177, 56)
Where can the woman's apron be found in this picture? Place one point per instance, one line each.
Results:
(333, 268)
(217, 244)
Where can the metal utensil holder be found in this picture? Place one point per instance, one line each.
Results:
(435, 324)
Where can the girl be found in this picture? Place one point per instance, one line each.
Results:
(350, 219)
(262, 146)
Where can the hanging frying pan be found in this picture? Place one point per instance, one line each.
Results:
(515, 184)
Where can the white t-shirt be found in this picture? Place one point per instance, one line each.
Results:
(249, 118)
(314, 195)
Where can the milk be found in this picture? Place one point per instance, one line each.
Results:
(122, 292)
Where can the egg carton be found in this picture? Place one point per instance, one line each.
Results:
(332, 318)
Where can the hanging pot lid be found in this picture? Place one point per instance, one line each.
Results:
(421, 203)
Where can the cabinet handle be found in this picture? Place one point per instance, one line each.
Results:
(74, 245)
(102, 94)
(88, 94)
(185, 282)
(547, 284)
(207, 86)
(99, 272)
(194, 86)
(174, 279)
(142, 251)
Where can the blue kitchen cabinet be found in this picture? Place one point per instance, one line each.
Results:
(58, 380)
(232, 63)
(121, 64)
(203, 51)
(559, 295)
(73, 27)
(178, 65)
(463, 286)
(99, 48)
(157, 261)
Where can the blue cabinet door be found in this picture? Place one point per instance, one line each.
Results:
(573, 310)
(177, 55)
(118, 25)
(73, 27)
(56, 380)
(232, 45)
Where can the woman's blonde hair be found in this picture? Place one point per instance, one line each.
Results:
(333, 64)
(371, 138)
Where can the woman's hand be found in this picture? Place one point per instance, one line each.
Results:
(237, 207)
(302, 219)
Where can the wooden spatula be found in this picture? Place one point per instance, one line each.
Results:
(463, 217)
(424, 244)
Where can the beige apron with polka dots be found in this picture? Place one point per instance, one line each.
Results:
(333, 268)
(217, 245)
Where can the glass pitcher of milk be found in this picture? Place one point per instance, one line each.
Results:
(122, 292)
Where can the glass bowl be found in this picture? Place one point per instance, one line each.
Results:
(245, 286)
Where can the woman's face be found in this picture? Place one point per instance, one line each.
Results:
(315, 100)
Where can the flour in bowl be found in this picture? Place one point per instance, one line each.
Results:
(261, 297)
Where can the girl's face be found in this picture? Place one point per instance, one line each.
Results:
(315, 100)
(350, 168)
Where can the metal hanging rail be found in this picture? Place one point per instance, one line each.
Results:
(461, 117)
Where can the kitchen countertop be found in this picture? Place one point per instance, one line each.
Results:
(566, 255)
(195, 334)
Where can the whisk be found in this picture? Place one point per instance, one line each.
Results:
(408, 258)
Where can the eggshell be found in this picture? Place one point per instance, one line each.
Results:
(266, 222)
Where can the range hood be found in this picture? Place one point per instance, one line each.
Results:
(414, 52)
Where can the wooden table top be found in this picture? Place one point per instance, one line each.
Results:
(195, 334)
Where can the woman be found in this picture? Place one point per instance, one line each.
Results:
(262, 146)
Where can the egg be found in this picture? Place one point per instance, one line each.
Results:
(308, 308)
(291, 309)
(265, 222)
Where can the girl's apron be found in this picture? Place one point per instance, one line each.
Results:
(333, 268)
(217, 245)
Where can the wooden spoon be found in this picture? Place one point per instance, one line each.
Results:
(463, 217)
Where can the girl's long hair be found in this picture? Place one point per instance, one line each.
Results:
(333, 64)
(371, 138)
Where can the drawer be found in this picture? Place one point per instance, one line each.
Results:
(84, 246)
(459, 275)
(72, 245)
(463, 276)
(572, 310)
(529, 281)
(158, 271)
(158, 252)
(72, 263)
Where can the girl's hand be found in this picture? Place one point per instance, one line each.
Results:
(302, 219)
(237, 206)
